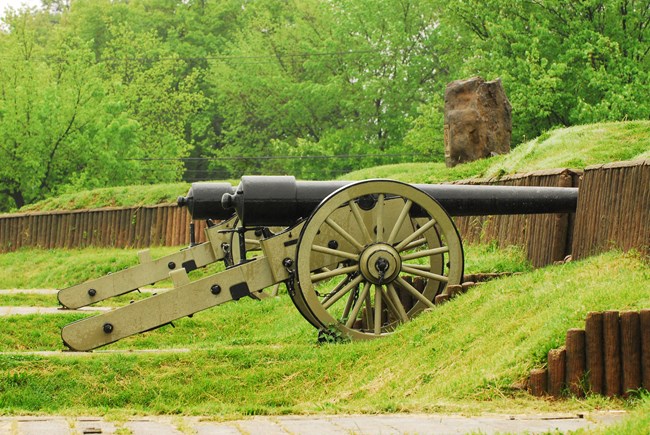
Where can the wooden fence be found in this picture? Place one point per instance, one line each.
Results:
(135, 227)
(613, 209)
(545, 237)
(611, 356)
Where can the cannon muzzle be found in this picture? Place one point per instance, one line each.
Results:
(203, 200)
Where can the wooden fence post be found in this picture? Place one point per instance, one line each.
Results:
(594, 352)
(612, 353)
(644, 320)
(556, 371)
(631, 350)
(537, 382)
(575, 361)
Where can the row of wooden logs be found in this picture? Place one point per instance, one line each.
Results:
(611, 356)
(469, 281)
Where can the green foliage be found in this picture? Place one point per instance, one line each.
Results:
(100, 93)
(53, 119)
(561, 63)
(312, 78)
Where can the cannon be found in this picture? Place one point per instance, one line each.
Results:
(358, 258)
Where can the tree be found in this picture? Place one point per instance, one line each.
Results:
(53, 122)
(335, 78)
(562, 63)
(155, 91)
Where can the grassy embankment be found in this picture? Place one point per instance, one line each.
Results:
(262, 358)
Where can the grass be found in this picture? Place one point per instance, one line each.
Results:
(121, 196)
(251, 357)
(573, 147)
(61, 268)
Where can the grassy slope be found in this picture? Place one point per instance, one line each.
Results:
(261, 357)
(574, 147)
(122, 196)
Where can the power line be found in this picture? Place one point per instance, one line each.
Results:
(198, 58)
(239, 158)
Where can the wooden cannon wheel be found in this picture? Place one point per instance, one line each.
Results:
(359, 252)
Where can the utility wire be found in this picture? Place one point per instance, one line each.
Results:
(307, 157)
(270, 57)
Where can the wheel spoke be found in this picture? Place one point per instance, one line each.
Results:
(415, 244)
(369, 317)
(414, 292)
(334, 272)
(425, 267)
(390, 303)
(378, 316)
(356, 212)
(424, 274)
(347, 236)
(338, 287)
(401, 312)
(348, 305)
(379, 220)
(414, 235)
(425, 253)
(342, 292)
(358, 305)
(400, 221)
(335, 252)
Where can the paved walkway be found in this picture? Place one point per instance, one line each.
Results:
(325, 425)
(22, 311)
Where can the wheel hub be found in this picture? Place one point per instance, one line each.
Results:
(380, 263)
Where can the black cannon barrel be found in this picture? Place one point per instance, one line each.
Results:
(203, 200)
(281, 200)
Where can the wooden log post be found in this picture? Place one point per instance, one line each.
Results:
(644, 320)
(537, 382)
(441, 299)
(575, 361)
(556, 371)
(631, 350)
(612, 353)
(594, 352)
(453, 290)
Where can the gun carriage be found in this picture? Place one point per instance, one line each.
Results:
(347, 252)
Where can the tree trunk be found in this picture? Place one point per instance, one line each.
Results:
(18, 198)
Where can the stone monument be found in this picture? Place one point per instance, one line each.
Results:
(478, 120)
